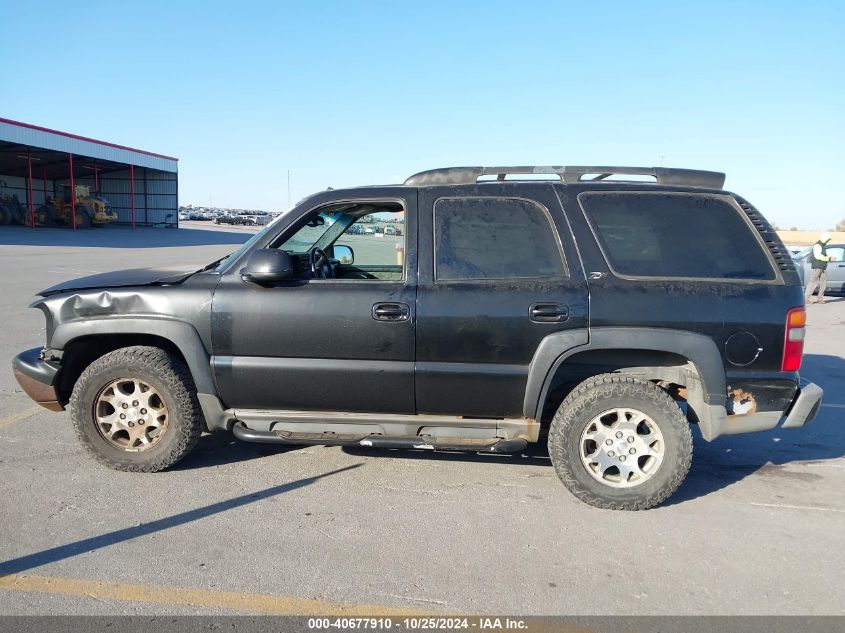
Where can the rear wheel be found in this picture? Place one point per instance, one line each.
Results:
(5, 214)
(136, 409)
(620, 442)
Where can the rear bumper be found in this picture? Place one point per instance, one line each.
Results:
(37, 377)
(801, 409)
(805, 406)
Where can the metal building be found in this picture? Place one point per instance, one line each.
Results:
(141, 186)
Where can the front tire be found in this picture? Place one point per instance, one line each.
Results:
(621, 443)
(136, 409)
(83, 217)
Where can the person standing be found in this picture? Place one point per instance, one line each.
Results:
(818, 269)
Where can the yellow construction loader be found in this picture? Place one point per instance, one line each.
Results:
(91, 210)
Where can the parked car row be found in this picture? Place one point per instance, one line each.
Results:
(195, 215)
(242, 218)
(239, 219)
(364, 229)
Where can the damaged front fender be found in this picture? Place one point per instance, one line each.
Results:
(181, 315)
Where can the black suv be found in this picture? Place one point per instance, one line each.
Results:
(600, 314)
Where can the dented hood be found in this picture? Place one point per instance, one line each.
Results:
(122, 278)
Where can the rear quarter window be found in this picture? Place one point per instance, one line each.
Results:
(675, 235)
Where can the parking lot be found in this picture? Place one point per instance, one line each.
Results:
(757, 528)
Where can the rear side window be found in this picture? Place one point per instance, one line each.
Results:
(494, 238)
(675, 235)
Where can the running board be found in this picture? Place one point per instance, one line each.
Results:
(360, 425)
(380, 441)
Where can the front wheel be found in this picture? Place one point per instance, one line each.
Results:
(136, 409)
(83, 217)
(621, 443)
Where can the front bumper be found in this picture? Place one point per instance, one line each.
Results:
(805, 406)
(37, 377)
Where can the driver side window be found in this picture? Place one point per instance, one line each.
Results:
(361, 240)
(377, 241)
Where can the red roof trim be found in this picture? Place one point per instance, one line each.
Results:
(84, 138)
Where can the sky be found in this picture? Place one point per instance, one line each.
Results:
(351, 93)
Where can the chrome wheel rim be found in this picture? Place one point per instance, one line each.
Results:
(130, 414)
(622, 448)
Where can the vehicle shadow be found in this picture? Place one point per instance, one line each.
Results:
(727, 460)
(119, 237)
(533, 456)
(220, 449)
(95, 543)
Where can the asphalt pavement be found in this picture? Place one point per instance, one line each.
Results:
(757, 528)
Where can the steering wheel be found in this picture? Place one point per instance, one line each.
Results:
(321, 267)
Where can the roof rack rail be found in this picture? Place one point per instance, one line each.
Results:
(569, 174)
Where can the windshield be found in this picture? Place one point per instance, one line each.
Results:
(219, 264)
(305, 238)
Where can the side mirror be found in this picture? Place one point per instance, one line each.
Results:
(344, 254)
(267, 265)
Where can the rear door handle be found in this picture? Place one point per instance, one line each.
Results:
(548, 312)
(391, 312)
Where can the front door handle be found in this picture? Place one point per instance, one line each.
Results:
(391, 312)
(548, 312)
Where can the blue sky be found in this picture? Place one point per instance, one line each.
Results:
(346, 93)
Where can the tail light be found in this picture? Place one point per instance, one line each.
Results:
(793, 340)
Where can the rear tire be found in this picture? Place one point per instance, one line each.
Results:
(136, 409)
(5, 215)
(620, 443)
